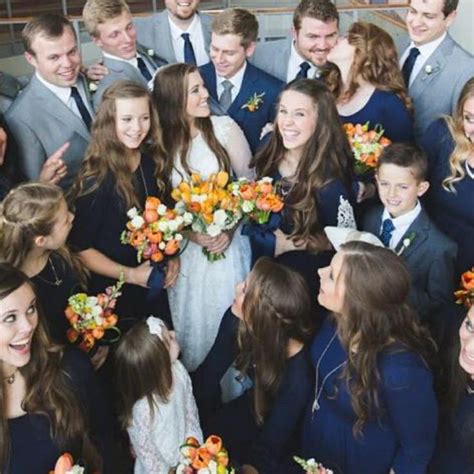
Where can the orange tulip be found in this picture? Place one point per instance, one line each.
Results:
(172, 246)
(157, 256)
(152, 203)
(247, 191)
(98, 332)
(155, 237)
(201, 458)
(222, 178)
(150, 216)
(213, 444)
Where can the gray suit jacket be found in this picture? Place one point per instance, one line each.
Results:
(154, 32)
(435, 90)
(121, 70)
(430, 260)
(9, 88)
(273, 57)
(39, 123)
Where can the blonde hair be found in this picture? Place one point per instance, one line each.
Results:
(463, 146)
(237, 21)
(96, 12)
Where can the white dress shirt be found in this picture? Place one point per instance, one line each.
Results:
(294, 65)
(401, 223)
(196, 37)
(426, 50)
(236, 81)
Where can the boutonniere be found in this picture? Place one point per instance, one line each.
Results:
(92, 86)
(150, 52)
(428, 69)
(254, 102)
(407, 241)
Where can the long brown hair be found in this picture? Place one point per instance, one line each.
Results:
(170, 94)
(463, 147)
(47, 391)
(375, 61)
(276, 308)
(376, 317)
(28, 211)
(106, 154)
(326, 157)
(143, 369)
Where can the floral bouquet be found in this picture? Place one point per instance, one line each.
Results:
(210, 458)
(92, 316)
(465, 295)
(212, 206)
(311, 466)
(65, 465)
(258, 199)
(367, 145)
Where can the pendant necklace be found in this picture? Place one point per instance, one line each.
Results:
(143, 179)
(11, 378)
(57, 281)
(319, 390)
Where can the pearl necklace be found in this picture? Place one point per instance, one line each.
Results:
(319, 390)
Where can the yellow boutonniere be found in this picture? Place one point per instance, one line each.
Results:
(254, 102)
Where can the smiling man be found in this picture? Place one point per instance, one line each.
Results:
(177, 34)
(54, 108)
(110, 24)
(246, 93)
(314, 33)
(434, 66)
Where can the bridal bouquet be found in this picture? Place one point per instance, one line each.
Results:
(155, 232)
(465, 295)
(367, 145)
(210, 458)
(311, 466)
(91, 317)
(214, 209)
(65, 465)
(258, 199)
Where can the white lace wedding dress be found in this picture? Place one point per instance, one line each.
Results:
(204, 290)
(156, 440)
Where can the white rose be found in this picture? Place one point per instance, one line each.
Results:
(137, 222)
(173, 226)
(266, 179)
(188, 218)
(91, 301)
(213, 230)
(179, 220)
(162, 209)
(96, 311)
(163, 226)
(220, 217)
(161, 245)
(247, 206)
(131, 213)
(178, 237)
(180, 207)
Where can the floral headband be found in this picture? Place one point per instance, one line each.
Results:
(155, 326)
(465, 295)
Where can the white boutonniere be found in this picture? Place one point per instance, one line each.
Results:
(407, 241)
(150, 52)
(428, 69)
(92, 86)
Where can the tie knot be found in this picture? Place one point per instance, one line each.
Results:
(185, 36)
(74, 91)
(388, 225)
(414, 52)
(304, 66)
(227, 85)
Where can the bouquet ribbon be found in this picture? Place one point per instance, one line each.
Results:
(262, 237)
(156, 281)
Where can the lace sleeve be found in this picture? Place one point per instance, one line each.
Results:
(193, 428)
(233, 140)
(145, 434)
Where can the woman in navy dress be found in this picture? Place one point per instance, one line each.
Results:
(311, 157)
(373, 408)
(449, 144)
(265, 332)
(51, 400)
(373, 87)
(120, 170)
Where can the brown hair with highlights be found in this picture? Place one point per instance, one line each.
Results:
(237, 21)
(96, 12)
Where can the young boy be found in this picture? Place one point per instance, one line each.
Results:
(404, 226)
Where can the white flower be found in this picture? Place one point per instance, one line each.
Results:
(180, 207)
(173, 226)
(428, 69)
(248, 206)
(76, 470)
(179, 220)
(266, 179)
(213, 230)
(220, 217)
(162, 209)
(150, 52)
(311, 462)
(188, 218)
(92, 88)
(131, 213)
(91, 301)
(178, 237)
(137, 222)
(161, 245)
(96, 311)
(406, 242)
(163, 226)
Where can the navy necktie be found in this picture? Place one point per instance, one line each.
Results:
(189, 56)
(86, 116)
(143, 69)
(408, 64)
(303, 72)
(387, 231)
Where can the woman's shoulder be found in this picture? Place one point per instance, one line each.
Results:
(223, 125)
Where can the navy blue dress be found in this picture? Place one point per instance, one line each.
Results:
(388, 110)
(100, 219)
(403, 438)
(267, 447)
(33, 451)
(452, 212)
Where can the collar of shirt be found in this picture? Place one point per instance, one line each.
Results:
(294, 64)
(236, 82)
(193, 29)
(62, 93)
(426, 50)
(401, 223)
(132, 62)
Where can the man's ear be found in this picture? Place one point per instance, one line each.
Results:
(30, 58)
(250, 49)
(423, 187)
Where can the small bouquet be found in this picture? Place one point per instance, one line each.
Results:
(465, 295)
(210, 458)
(65, 465)
(91, 317)
(367, 145)
(212, 206)
(311, 466)
(258, 199)
(155, 233)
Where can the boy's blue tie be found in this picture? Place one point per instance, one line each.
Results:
(387, 231)
(189, 56)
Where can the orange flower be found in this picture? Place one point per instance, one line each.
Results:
(195, 178)
(194, 207)
(69, 312)
(384, 141)
(150, 215)
(247, 191)
(277, 204)
(63, 464)
(157, 256)
(152, 203)
(213, 444)
(467, 279)
(263, 203)
(201, 458)
(88, 342)
(222, 458)
(155, 237)
(72, 335)
(222, 178)
(265, 187)
(137, 238)
(184, 187)
(98, 332)
(110, 321)
(176, 194)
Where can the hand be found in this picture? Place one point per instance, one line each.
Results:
(172, 271)
(248, 469)
(96, 71)
(283, 243)
(3, 144)
(268, 128)
(366, 191)
(139, 275)
(54, 169)
(99, 357)
(221, 242)
(200, 239)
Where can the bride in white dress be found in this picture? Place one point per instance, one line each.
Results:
(202, 144)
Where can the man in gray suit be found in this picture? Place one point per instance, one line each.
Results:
(54, 108)
(314, 34)
(177, 34)
(110, 24)
(434, 66)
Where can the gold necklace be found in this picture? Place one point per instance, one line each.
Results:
(11, 378)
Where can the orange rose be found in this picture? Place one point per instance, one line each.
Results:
(247, 191)
(152, 203)
(201, 458)
(194, 207)
(467, 279)
(213, 444)
(98, 332)
(263, 203)
(265, 187)
(172, 246)
(69, 312)
(157, 256)
(110, 321)
(155, 237)
(150, 215)
(277, 205)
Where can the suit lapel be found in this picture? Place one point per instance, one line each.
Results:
(162, 28)
(374, 221)
(247, 90)
(122, 67)
(417, 233)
